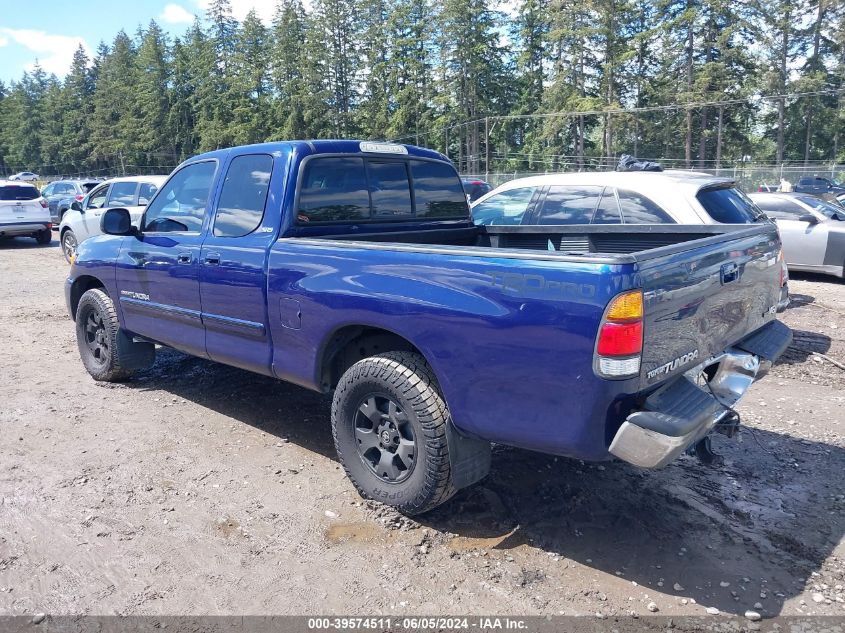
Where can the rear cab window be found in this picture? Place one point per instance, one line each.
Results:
(10, 193)
(728, 205)
(364, 189)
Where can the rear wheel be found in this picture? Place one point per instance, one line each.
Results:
(106, 351)
(69, 244)
(389, 426)
(44, 237)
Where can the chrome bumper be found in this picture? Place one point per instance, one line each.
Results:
(684, 411)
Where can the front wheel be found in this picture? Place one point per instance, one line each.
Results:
(389, 427)
(107, 352)
(69, 245)
(44, 237)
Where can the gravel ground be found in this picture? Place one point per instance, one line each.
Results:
(202, 489)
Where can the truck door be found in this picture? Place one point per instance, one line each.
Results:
(233, 280)
(157, 272)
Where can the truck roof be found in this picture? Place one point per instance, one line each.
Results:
(328, 146)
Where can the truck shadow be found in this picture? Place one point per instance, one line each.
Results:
(804, 345)
(763, 522)
(273, 406)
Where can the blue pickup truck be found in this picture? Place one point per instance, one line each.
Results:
(353, 268)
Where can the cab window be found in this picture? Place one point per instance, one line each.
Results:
(390, 189)
(244, 195)
(438, 192)
(180, 206)
(334, 190)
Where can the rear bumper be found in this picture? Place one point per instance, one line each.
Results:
(683, 411)
(23, 228)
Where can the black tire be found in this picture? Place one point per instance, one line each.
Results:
(409, 436)
(44, 237)
(69, 249)
(107, 352)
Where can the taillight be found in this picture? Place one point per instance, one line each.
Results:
(79, 197)
(782, 268)
(619, 344)
(43, 203)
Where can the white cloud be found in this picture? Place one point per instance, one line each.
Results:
(176, 14)
(4, 42)
(240, 8)
(54, 52)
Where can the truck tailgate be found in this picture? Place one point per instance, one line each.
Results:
(701, 297)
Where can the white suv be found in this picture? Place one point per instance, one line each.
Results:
(23, 212)
(82, 220)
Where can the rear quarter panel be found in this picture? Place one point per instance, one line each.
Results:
(511, 341)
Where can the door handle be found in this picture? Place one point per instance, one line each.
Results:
(183, 258)
(212, 259)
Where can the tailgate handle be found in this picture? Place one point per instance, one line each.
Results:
(729, 273)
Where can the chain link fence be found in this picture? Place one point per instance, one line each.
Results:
(749, 176)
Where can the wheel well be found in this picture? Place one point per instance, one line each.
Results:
(80, 286)
(355, 342)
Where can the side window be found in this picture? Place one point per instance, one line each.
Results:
(608, 209)
(778, 208)
(244, 195)
(48, 190)
(390, 190)
(145, 193)
(66, 189)
(122, 194)
(805, 181)
(334, 190)
(637, 209)
(505, 208)
(569, 205)
(181, 204)
(97, 199)
(438, 192)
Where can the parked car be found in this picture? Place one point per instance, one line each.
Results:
(23, 212)
(60, 194)
(629, 198)
(83, 218)
(812, 231)
(475, 188)
(25, 176)
(355, 268)
(819, 185)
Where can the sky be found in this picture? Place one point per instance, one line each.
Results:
(51, 30)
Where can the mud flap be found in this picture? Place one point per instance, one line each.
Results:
(469, 458)
(134, 355)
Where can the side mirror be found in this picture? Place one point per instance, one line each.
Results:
(117, 222)
(809, 218)
(76, 205)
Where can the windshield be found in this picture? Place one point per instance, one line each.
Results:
(728, 205)
(828, 209)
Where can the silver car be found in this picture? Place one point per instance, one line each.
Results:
(812, 230)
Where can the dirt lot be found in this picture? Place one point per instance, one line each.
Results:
(202, 489)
